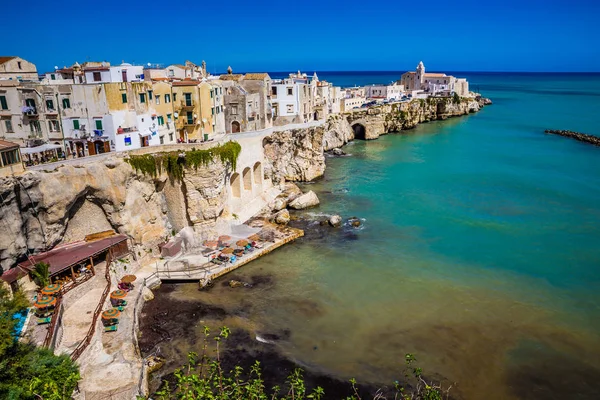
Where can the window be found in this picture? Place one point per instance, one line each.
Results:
(169, 118)
(75, 124)
(10, 157)
(124, 97)
(188, 99)
(3, 104)
(167, 98)
(274, 90)
(53, 125)
(220, 90)
(171, 137)
(162, 140)
(190, 118)
(212, 111)
(35, 127)
(53, 77)
(49, 104)
(171, 72)
(149, 94)
(142, 97)
(157, 99)
(8, 125)
(233, 110)
(174, 96)
(290, 108)
(211, 94)
(99, 124)
(97, 77)
(66, 103)
(161, 120)
(19, 64)
(290, 91)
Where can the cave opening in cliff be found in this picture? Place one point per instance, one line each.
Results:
(359, 131)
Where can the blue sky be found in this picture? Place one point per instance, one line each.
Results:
(351, 35)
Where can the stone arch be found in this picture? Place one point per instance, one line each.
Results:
(236, 190)
(235, 127)
(257, 171)
(247, 178)
(360, 132)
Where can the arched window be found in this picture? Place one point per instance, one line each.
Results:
(235, 185)
(257, 170)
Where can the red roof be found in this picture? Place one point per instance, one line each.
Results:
(6, 145)
(64, 256)
(186, 83)
(13, 274)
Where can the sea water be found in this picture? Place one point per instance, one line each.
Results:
(479, 250)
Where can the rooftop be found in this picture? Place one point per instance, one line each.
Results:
(64, 256)
(231, 77)
(4, 59)
(6, 145)
(257, 76)
(186, 83)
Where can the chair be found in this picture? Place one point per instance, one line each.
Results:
(120, 308)
(43, 321)
(111, 328)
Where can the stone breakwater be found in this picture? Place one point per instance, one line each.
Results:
(582, 137)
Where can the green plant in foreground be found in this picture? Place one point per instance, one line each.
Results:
(204, 378)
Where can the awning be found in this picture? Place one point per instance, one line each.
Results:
(144, 134)
(40, 149)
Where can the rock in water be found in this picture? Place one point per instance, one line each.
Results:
(335, 221)
(309, 199)
(338, 152)
(355, 222)
(282, 217)
(279, 203)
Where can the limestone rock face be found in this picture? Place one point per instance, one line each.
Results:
(282, 217)
(41, 209)
(309, 199)
(335, 221)
(337, 133)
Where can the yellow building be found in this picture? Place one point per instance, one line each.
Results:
(198, 108)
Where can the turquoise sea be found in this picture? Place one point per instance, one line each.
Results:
(479, 251)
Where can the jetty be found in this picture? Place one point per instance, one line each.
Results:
(582, 137)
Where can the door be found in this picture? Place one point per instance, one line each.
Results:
(124, 75)
(188, 99)
(107, 147)
(235, 127)
(91, 148)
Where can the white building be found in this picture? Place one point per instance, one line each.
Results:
(434, 83)
(384, 92)
(106, 74)
(292, 99)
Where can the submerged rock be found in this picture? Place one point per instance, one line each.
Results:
(335, 221)
(282, 217)
(309, 199)
(354, 222)
(338, 152)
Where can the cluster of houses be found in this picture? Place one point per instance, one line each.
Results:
(96, 107)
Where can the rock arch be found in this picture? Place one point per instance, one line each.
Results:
(360, 131)
(236, 190)
(257, 172)
(247, 178)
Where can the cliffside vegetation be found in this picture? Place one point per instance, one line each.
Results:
(174, 162)
(204, 378)
(27, 372)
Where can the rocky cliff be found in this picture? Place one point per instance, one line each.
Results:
(41, 209)
(298, 154)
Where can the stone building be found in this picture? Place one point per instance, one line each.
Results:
(327, 99)
(16, 68)
(434, 83)
(384, 92)
(247, 102)
(10, 159)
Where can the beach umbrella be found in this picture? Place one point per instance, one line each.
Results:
(45, 301)
(211, 243)
(118, 294)
(51, 289)
(242, 243)
(128, 278)
(224, 238)
(227, 250)
(111, 313)
(254, 237)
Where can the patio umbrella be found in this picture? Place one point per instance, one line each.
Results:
(111, 313)
(51, 289)
(118, 294)
(224, 238)
(242, 243)
(45, 301)
(227, 250)
(128, 278)
(211, 243)
(254, 237)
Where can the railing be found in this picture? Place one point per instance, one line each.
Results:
(54, 323)
(129, 130)
(88, 337)
(134, 327)
(187, 104)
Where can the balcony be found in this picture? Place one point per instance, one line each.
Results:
(51, 111)
(79, 134)
(127, 130)
(99, 132)
(187, 122)
(186, 104)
